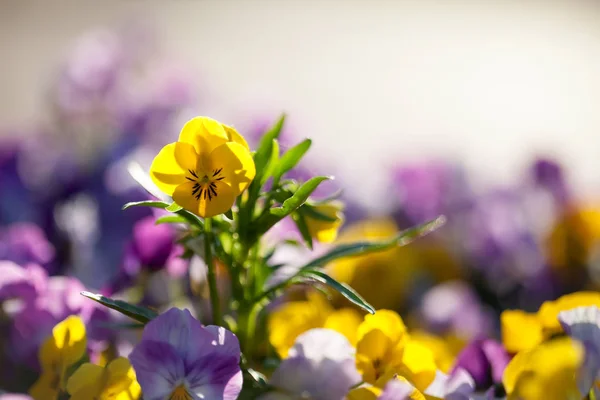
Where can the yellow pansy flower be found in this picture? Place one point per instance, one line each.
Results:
(382, 277)
(523, 331)
(384, 348)
(444, 349)
(115, 382)
(206, 169)
(325, 231)
(293, 318)
(65, 347)
(547, 372)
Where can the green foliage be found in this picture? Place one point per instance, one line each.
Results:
(140, 314)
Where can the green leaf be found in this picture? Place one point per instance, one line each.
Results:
(171, 219)
(117, 325)
(310, 211)
(146, 203)
(334, 196)
(303, 229)
(192, 218)
(360, 248)
(299, 197)
(137, 313)
(173, 207)
(265, 148)
(342, 288)
(271, 164)
(290, 159)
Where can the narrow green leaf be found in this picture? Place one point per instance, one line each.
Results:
(117, 325)
(310, 211)
(171, 219)
(265, 147)
(342, 288)
(137, 313)
(272, 163)
(290, 159)
(299, 197)
(146, 203)
(303, 229)
(334, 196)
(173, 207)
(192, 218)
(360, 248)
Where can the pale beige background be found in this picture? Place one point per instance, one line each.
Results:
(489, 82)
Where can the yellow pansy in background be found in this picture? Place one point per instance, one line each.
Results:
(444, 349)
(384, 348)
(115, 382)
(382, 277)
(206, 169)
(547, 372)
(325, 231)
(293, 318)
(523, 331)
(65, 347)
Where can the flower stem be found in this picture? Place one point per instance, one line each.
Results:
(212, 278)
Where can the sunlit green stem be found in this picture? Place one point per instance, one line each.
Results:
(211, 275)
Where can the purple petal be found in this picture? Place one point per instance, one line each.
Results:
(19, 282)
(182, 331)
(153, 243)
(224, 343)
(473, 360)
(158, 368)
(397, 390)
(497, 357)
(318, 344)
(214, 377)
(459, 386)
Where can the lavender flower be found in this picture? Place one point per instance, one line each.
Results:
(484, 360)
(179, 358)
(319, 366)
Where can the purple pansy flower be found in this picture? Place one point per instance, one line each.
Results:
(179, 358)
(484, 360)
(23, 283)
(320, 365)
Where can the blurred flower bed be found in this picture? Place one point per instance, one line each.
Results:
(499, 302)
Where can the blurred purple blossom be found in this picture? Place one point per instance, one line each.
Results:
(179, 356)
(549, 175)
(484, 360)
(320, 365)
(25, 243)
(454, 307)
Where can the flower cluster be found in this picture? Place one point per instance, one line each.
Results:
(231, 272)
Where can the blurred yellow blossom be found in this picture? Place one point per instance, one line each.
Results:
(524, 331)
(325, 231)
(116, 381)
(444, 349)
(547, 372)
(382, 278)
(65, 347)
(206, 169)
(293, 318)
(384, 348)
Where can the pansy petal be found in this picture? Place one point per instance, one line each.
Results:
(158, 368)
(171, 165)
(120, 375)
(223, 344)
(204, 133)
(44, 388)
(179, 329)
(85, 383)
(237, 164)
(68, 340)
(419, 363)
(202, 200)
(520, 330)
(386, 321)
(400, 389)
(215, 377)
(235, 137)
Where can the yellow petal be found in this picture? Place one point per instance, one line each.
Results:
(443, 351)
(418, 365)
(235, 137)
(204, 133)
(70, 337)
(520, 330)
(374, 345)
(206, 204)
(46, 387)
(86, 382)
(237, 164)
(365, 367)
(325, 231)
(346, 322)
(386, 321)
(170, 167)
(364, 393)
(120, 375)
(548, 312)
(548, 372)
